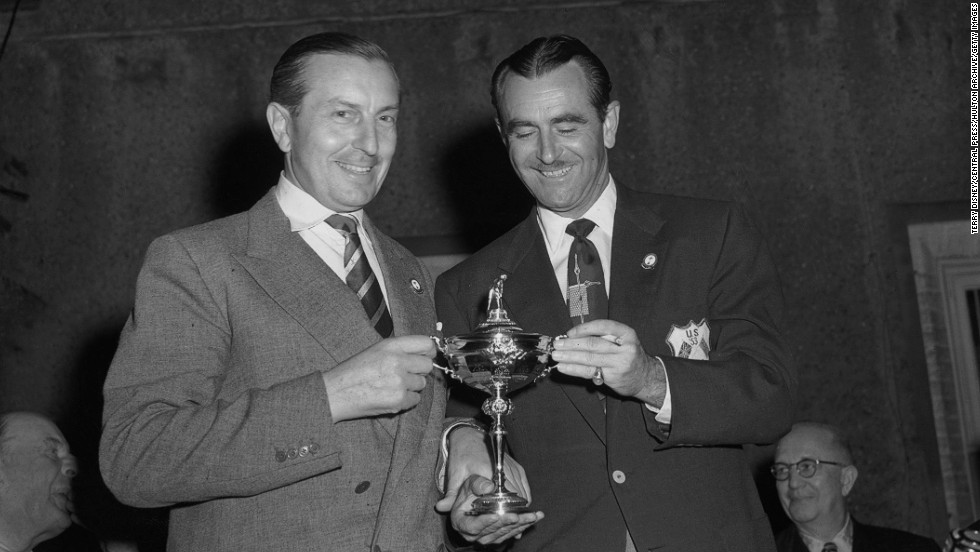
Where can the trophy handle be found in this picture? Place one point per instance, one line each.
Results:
(549, 348)
(441, 346)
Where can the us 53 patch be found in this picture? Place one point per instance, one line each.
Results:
(691, 341)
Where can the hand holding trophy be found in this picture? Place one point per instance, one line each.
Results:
(498, 358)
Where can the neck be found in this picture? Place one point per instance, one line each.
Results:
(10, 544)
(825, 528)
(15, 535)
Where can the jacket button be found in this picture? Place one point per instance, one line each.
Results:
(304, 450)
(619, 477)
(314, 448)
(280, 456)
(362, 486)
(292, 453)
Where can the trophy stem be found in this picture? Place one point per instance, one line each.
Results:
(499, 501)
(498, 432)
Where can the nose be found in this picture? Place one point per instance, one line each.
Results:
(547, 149)
(69, 466)
(367, 138)
(795, 479)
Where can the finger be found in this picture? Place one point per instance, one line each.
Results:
(410, 400)
(591, 357)
(416, 364)
(478, 485)
(576, 370)
(445, 504)
(412, 344)
(598, 328)
(497, 527)
(606, 343)
(414, 382)
(512, 529)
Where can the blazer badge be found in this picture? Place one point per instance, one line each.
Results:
(690, 341)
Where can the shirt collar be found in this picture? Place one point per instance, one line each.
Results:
(302, 209)
(845, 535)
(602, 213)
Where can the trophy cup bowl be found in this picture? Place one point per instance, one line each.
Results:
(498, 358)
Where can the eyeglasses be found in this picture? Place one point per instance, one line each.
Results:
(805, 468)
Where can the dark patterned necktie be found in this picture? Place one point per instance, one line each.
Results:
(360, 278)
(586, 285)
(829, 547)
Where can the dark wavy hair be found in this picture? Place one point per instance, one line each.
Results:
(545, 54)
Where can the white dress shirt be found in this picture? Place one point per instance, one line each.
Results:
(844, 539)
(558, 243)
(308, 217)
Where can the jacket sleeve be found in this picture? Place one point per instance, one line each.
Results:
(169, 433)
(746, 392)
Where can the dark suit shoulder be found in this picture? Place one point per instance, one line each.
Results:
(670, 201)
(788, 540)
(870, 538)
(679, 212)
(487, 257)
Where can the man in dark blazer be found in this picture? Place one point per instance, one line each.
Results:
(635, 441)
(253, 389)
(814, 472)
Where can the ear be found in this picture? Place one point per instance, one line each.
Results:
(500, 131)
(848, 475)
(280, 124)
(610, 124)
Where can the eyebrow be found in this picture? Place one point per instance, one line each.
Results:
(358, 107)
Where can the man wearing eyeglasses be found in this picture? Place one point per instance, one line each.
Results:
(814, 472)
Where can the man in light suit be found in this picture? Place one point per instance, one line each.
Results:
(254, 390)
(814, 471)
(635, 441)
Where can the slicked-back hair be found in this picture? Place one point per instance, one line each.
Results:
(545, 54)
(288, 87)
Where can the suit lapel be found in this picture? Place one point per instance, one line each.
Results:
(634, 282)
(534, 300)
(299, 282)
(405, 283)
(635, 236)
(408, 299)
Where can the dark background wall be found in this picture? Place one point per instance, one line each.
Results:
(833, 122)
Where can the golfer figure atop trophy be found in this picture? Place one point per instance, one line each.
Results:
(498, 358)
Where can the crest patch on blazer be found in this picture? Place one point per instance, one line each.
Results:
(691, 341)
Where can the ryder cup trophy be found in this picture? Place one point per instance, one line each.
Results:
(498, 358)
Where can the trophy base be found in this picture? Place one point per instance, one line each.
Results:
(499, 503)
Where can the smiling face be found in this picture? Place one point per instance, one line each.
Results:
(340, 141)
(36, 467)
(816, 502)
(556, 140)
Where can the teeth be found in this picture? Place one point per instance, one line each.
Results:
(354, 168)
(556, 174)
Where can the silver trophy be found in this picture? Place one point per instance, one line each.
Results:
(498, 358)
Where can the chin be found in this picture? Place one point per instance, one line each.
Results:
(802, 513)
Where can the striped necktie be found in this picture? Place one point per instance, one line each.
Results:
(360, 278)
(586, 285)
(829, 547)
